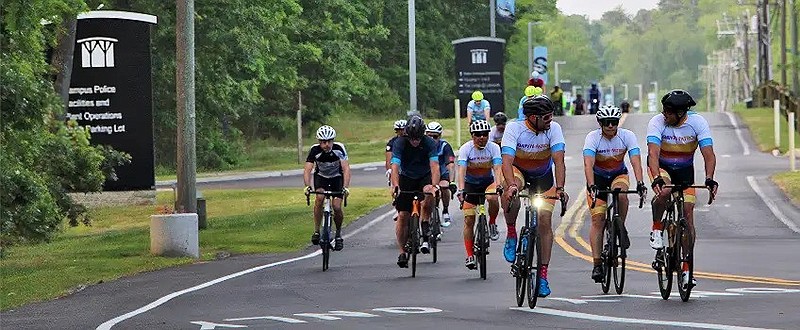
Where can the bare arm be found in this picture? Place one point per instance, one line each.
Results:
(462, 172)
(395, 175)
(388, 164)
(561, 168)
(508, 169)
(435, 174)
(636, 163)
(653, 152)
(346, 172)
(487, 113)
(450, 168)
(307, 174)
(498, 173)
(588, 165)
(710, 160)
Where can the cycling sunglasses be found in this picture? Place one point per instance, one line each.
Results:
(481, 134)
(545, 117)
(609, 122)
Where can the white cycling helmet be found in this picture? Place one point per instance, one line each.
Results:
(400, 124)
(608, 112)
(326, 132)
(434, 127)
(479, 126)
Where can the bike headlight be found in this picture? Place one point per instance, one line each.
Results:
(538, 202)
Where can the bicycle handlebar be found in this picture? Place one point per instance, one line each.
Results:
(617, 192)
(496, 193)
(542, 196)
(409, 192)
(684, 187)
(327, 193)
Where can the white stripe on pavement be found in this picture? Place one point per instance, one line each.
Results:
(772, 207)
(603, 318)
(160, 301)
(745, 147)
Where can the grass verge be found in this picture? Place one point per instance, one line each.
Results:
(365, 139)
(790, 183)
(761, 124)
(117, 244)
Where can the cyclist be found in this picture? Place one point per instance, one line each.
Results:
(331, 168)
(415, 167)
(672, 139)
(500, 121)
(478, 171)
(447, 174)
(604, 167)
(399, 125)
(532, 150)
(594, 98)
(478, 108)
(530, 92)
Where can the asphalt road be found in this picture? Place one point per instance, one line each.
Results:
(746, 259)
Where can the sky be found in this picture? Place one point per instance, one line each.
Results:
(596, 8)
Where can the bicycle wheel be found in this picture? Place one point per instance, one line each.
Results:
(414, 237)
(435, 228)
(606, 256)
(481, 238)
(325, 241)
(619, 258)
(520, 269)
(535, 272)
(685, 291)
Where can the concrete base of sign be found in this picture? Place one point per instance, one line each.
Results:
(174, 235)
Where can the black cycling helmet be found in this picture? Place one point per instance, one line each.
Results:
(415, 127)
(500, 118)
(538, 105)
(677, 100)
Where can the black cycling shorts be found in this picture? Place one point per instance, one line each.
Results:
(330, 184)
(403, 201)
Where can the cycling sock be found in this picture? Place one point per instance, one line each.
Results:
(469, 245)
(445, 210)
(544, 272)
(685, 266)
(425, 230)
(512, 230)
(657, 225)
(338, 233)
(492, 219)
(597, 261)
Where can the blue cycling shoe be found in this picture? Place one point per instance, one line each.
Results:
(510, 249)
(544, 288)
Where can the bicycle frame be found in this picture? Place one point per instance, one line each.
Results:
(325, 225)
(612, 253)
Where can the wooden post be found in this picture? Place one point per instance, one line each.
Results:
(299, 127)
(457, 106)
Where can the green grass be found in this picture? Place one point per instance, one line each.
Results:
(117, 244)
(790, 183)
(364, 137)
(761, 124)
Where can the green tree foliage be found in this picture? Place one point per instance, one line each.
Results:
(42, 157)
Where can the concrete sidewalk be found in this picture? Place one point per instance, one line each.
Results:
(257, 175)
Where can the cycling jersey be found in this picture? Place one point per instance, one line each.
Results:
(678, 144)
(446, 156)
(479, 162)
(477, 109)
(532, 151)
(414, 162)
(610, 154)
(391, 143)
(495, 135)
(327, 164)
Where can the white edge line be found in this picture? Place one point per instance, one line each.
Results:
(603, 318)
(771, 205)
(160, 301)
(745, 147)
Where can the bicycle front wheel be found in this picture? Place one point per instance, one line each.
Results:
(535, 269)
(482, 241)
(619, 261)
(414, 236)
(325, 241)
(520, 270)
(436, 230)
(607, 255)
(684, 285)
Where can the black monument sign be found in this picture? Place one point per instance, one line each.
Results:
(479, 66)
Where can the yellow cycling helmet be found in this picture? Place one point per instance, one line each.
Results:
(477, 96)
(537, 91)
(531, 91)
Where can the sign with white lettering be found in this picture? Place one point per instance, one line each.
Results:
(479, 67)
(111, 90)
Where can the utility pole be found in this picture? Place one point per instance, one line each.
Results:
(784, 81)
(795, 51)
(746, 45)
(625, 86)
(530, 50)
(412, 58)
(492, 14)
(186, 201)
(641, 104)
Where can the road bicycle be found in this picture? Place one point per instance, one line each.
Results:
(414, 236)
(613, 254)
(527, 266)
(326, 231)
(481, 248)
(675, 234)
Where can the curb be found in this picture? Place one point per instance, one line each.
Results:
(258, 175)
